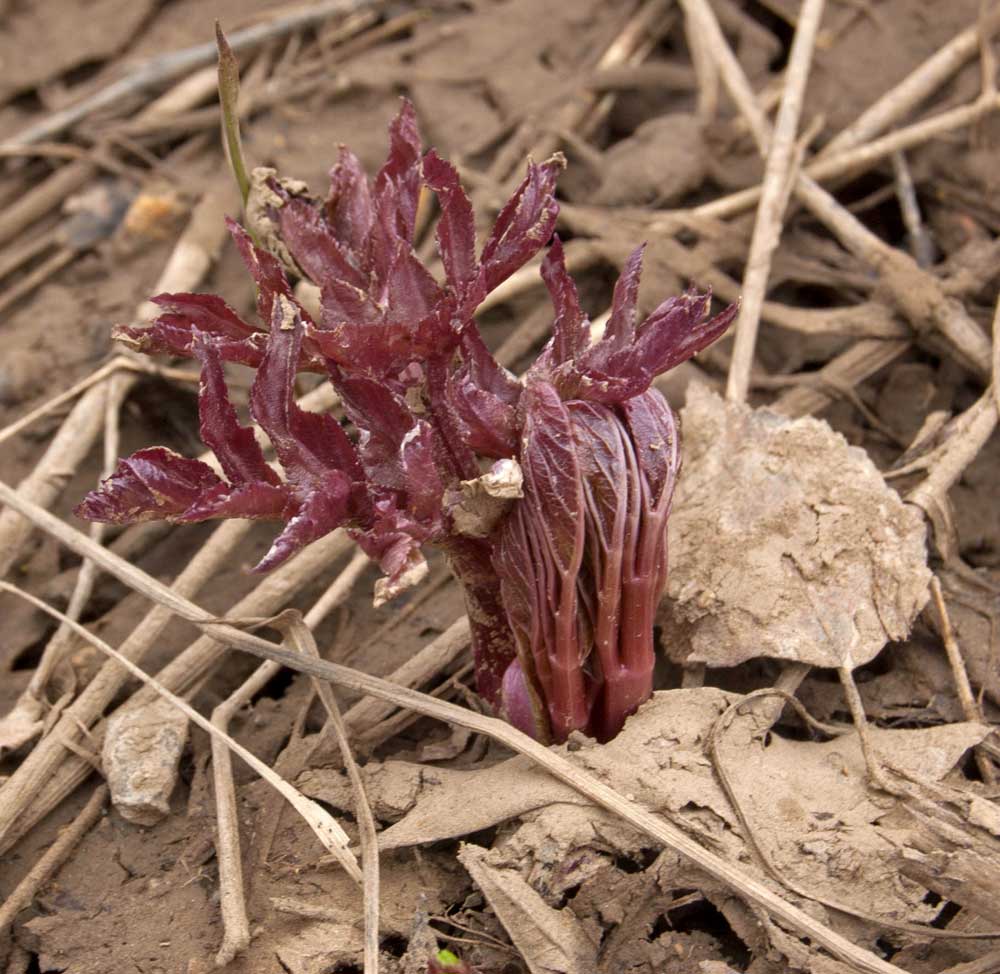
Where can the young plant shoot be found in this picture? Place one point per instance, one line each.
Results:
(549, 495)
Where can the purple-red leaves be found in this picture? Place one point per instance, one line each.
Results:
(173, 332)
(153, 484)
(563, 563)
(307, 444)
(628, 356)
(349, 209)
(397, 185)
(483, 397)
(187, 315)
(540, 553)
(524, 224)
(456, 230)
(570, 328)
(319, 459)
(236, 447)
(582, 559)
(321, 462)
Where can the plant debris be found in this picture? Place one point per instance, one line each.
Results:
(820, 737)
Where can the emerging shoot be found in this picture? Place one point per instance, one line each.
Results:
(549, 495)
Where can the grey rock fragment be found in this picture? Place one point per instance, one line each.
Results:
(142, 750)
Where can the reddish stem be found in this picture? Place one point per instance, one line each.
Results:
(493, 648)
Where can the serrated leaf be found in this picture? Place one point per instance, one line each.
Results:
(239, 453)
(456, 230)
(349, 208)
(524, 224)
(571, 328)
(307, 444)
(321, 506)
(314, 247)
(152, 484)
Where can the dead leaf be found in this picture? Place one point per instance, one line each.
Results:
(786, 542)
(551, 941)
(818, 821)
(808, 803)
(660, 762)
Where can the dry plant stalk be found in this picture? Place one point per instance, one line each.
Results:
(189, 260)
(663, 831)
(54, 857)
(107, 370)
(970, 706)
(918, 85)
(917, 293)
(191, 666)
(164, 68)
(333, 838)
(301, 635)
(235, 925)
(24, 721)
(851, 367)
(778, 177)
(632, 44)
(61, 640)
(32, 774)
(853, 160)
(436, 656)
(966, 436)
(781, 698)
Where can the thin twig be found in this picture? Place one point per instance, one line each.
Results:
(38, 275)
(62, 639)
(333, 838)
(774, 198)
(850, 368)
(158, 71)
(921, 245)
(918, 85)
(852, 160)
(671, 836)
(42, 198)
(970, 707)
(705, 22)
(232, 899)
(918, 294)
(631, 45)
(107, 370)
(438, 654)
(873, 763)
(183, 674)
(765, 859)
(35, 770)
(23, 253)
(65, 453)
(302, 636)
(189, 262)
(948, 463)
(705, 71)
(24, 721)
(24, 718)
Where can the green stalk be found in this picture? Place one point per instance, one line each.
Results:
(229, 96)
